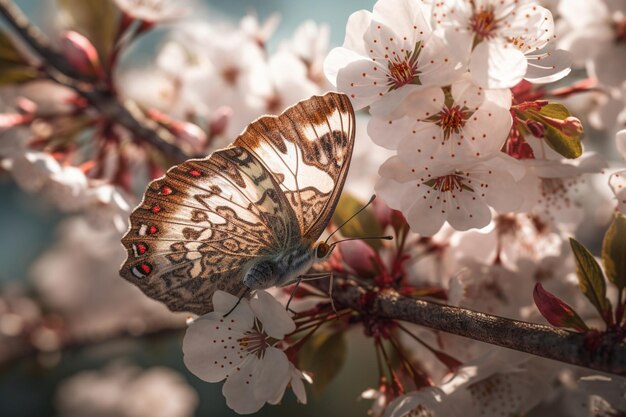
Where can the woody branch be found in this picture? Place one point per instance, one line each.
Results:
(606, 354)
(98, 96)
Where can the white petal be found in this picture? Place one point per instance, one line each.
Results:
(494, 65)
(424, 103)
(337, 59)
(239, 388)
(466, 93)
(468, 211)
(272, 314)
(272, 376)
(364, 81)
(224, 302)
(358, 22)
(210, 346)
(487, 129)
(502, 192)
(401, 14)
(423, 146)
(548, 67)
(297, 384)
(387, 132)
(425, 214)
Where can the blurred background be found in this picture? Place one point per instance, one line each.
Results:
(41, 251)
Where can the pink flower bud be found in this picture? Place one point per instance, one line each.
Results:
(572, 126)
(358, 256)
(536, 128)
(81, 54)
(191, 134)
(220, 120)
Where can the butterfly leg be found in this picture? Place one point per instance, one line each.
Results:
(246, 292)
(295, 288)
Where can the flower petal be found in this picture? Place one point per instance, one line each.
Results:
(272, 314)
(239, 388)
(493, 65)
(272, 375)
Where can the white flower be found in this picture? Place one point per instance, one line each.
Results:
(126, 391)
(241, 348)
(505, 41)
(32, 170)
(310, 44)
(386, 50)
(153, 11)
(460, 195)
(457, 124)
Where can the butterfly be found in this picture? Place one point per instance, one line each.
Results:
(248, 216)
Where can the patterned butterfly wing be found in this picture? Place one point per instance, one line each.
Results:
(307, 149)
(199, 227)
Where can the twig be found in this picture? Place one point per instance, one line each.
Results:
(125, 114)
(606, 353)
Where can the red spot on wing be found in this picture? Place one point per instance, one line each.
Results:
(142, 248)
(156, 208)
(146, 268)
(152, 230)
(195, 173)
(165, 190)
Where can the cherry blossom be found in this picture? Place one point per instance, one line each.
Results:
(386, 50)
(460, 195)
(594, 33)
(503, 41)
(456, 123)
(240, 346)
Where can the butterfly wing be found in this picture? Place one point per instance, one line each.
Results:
(199, 227)
(307, 149)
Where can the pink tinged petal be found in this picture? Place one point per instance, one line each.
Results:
(358, 22)
(500, 190)
(501, 97)
(272, 375)
(423, 146)
(494, 65)
(468, 209)
(364, 81)
(426, 213)
(620, 141)
(211, 348)
(272, 314)
(467, 94)
(394, 168)
(424, 103)
(486, 130)
(240, 386)
(337, 59)
(437, 64)
(391, 105)
(617, 182)
(549, 66)
(388, 133)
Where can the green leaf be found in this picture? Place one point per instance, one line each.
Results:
(363, 225)
(614, 251)
(323, 355)
(555, 111)
(591, 279)
(97, 20)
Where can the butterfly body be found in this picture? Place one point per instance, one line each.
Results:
(248, 216)
(282, 269)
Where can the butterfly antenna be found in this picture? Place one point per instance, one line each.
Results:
(372, 198)
(362, 238)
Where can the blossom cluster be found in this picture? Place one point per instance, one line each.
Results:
(447, 85)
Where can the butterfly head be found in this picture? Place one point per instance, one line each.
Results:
(323, 250)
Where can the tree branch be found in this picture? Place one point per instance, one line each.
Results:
(125, 114)
(606, 353)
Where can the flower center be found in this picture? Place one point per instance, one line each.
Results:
(451, 120)
(483, 23)
(254, 342)
(403, 70)
(447, 183)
